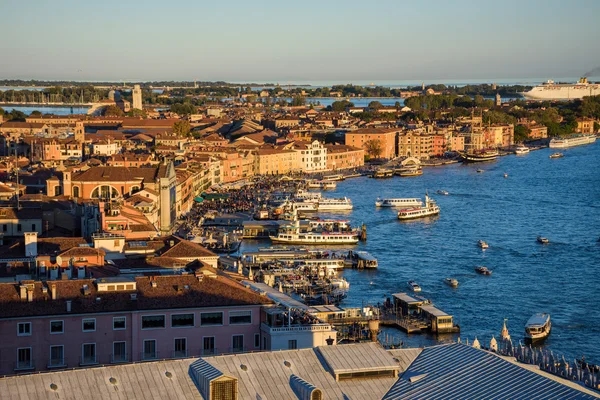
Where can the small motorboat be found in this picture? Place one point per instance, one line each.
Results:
(482, 244)
(556, 155)
(505, 175)
(451, 282)
(479, 171)
(414, 286)
(442, 192)
(483, 270)
(542, 240)
(537, 328)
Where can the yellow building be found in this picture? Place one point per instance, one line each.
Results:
(275, 161)
(414, 144)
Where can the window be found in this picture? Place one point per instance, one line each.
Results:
(118, 323)
(208, 345)
(88, 325)
(153, 321)
(214, 318)
(237, 343)
(88, 353)
(182, 320)
(24, 329)
(33, 227)
(180, 347)
(57, 356)
(292, 344)
(18, 227)
(4, 228)
(149, 350)
(240, 317)
(75, 191)
(24, 358)
(257, 340)
(56, 327)
(119, 352)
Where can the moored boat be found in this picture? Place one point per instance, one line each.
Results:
(383, 173)
(414, 286)
(538, 328)
(482, 156)
(451, 282)
(430, 208)
(483, 270)
(411, 172)
(341, 204)
(399, 202)
(520, 150)
(575, 140)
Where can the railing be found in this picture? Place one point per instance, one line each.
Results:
(88, 361)
(238, 350)
(57, 363)
(119, 358)
(298, 328)
(179, 354)
(149, 355)
(24, 365)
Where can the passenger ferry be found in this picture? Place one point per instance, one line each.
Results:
(576, 140)
(538, 328)
(324, 185)
(404, 202)
(303, 206)
(305, 195)
(291, 234)
(414, 286)
(334, 177)
(331, 265)
(521, 150)
(430, 208)
(325, 204)
(411, 172)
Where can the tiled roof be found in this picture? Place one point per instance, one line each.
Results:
(187, 249)
(170, 292)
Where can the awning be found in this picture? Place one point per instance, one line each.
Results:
(198, 199)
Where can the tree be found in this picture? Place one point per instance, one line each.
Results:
(397, 105)
(341, 105)
(375, 105)
(596, 127)
(374, 148)
(521, 133)
(35, 113)
(182, 128)
(183, 108)
(298, 101)
(113, 111)
(136, 112)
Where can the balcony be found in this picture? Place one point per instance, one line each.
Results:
(24, 365)
(57, 363)
(119, 358)
(297, 328)
(149, 355)
(87, 360)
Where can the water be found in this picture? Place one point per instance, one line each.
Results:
(60, 110)
(559, 199)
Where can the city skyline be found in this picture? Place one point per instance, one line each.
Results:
(308, 43)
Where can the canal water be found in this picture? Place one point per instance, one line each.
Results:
(556, 198)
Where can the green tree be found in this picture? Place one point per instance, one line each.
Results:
(521, 133)
(596, 126)
(374, 148)
(182, 128)
(35, 113)
(183, 108)
(375, 105)
(136, 112)
(341, 105)
(397, 105)
(298, 100)
(113, 111)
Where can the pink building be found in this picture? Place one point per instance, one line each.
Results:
(73, 323)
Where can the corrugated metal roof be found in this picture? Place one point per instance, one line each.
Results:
(275, 295)
(405, 357)
(357, 357)
(407, 298)
(458, 371)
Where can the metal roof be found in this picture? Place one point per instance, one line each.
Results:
(434, 311)
(458, 371)
(407, 298)
(357, 357)
(275, 295)
(405, 357)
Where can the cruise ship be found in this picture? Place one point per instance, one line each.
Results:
(572, 141)
(563, 91)
(343, 204)
(398, 203)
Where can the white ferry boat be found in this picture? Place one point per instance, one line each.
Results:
(325, 204)
(331, 225)
(414, 286)
(314, 238)
(305, 195)
(324, 185)
(538, 328)
(304, 206)
(521, 150)
(337, 177)
(430, 208)
(550, 90)
(406, 202)
(572, 141)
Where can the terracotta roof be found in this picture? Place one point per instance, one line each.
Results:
(187, 249)
(170, 292)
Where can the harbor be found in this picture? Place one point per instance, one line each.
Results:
(429, 250)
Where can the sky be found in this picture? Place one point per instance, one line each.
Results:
(298, 41)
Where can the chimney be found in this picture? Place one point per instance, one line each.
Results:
(53, 292)
(30, 294)
(22, 292)
(31, 244)
(68, 305)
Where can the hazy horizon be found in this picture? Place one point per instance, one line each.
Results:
(267, 41)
